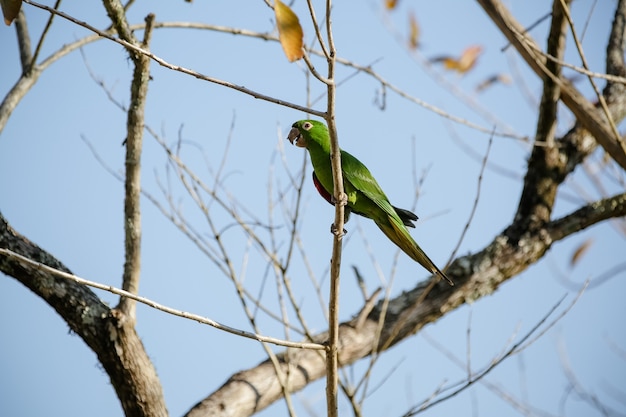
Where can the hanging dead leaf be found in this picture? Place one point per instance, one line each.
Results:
(391, 4)
(494, 79)
(462, 64)
(468, 58)
(414, 32)
(10, 9)
(579, 252)
(289, 31)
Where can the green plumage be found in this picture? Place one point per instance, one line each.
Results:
(365, 197)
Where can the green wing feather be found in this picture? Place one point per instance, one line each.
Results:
(358, 177)
(365, 197)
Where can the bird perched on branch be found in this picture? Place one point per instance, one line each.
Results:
(365, 197)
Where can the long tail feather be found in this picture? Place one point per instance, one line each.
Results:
(401, 237)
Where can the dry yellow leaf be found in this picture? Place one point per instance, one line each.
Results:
(10, 9)
(391, 4)
(414, 32)
(289, 31)
(462, 64)
(469, 57)
(580, 251)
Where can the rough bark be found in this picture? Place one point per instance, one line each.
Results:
(585, 112)
(115, 342)
(110, 334)
(523, 243)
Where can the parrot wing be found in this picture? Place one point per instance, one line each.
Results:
(407, 216)
(388, 220)
(360, 178)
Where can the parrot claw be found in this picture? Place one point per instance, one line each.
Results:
(333, 230)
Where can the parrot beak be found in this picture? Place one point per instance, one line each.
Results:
(294, 135)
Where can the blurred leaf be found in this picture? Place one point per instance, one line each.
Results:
(580, 251)
(10, 9)
(414, 32)
(496, 78)
(289, 31)
(462, 64)
(391, 4)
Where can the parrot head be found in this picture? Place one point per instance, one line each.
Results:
(304, 131)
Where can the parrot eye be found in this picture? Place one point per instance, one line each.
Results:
(307, 125)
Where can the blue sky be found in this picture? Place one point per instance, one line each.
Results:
(54, 191)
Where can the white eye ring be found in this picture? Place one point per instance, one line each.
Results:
(307, 126)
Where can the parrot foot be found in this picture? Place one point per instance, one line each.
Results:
(333, 230)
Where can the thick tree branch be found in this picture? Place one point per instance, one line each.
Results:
(523, 243)
(118, 347)
(616, 47)
(617, 42)
(134, 140)
(477, 275)
(586, 113)
(112, 336)
(542, 179)
(587, 216)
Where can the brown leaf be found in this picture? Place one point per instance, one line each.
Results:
(494, 79)
(289, 31)
(391, 4)
(10, 9)
(462, 64)
(467, 60)
(579, 252)
(414, 32)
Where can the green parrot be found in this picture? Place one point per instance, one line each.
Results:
(365, 197)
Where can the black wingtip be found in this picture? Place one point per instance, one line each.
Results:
(445, 278)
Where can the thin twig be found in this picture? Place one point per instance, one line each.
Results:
(157, 306)
(178, 68)
(474, 206)
(33, 60)
(318, 32)
(516, 348)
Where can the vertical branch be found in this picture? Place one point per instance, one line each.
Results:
(43, 37)
(617, 43)
(540, 183)
(585, 112)
(134, 139)
(341, 198)
(23, 40)
(601, 101)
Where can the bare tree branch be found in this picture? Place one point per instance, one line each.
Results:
(134, 139)
(585, 112)
(118, 347)
(378, 326)
(476, 275)
(23, 40)
(166, 64)
(53, 272)
(540, 183)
